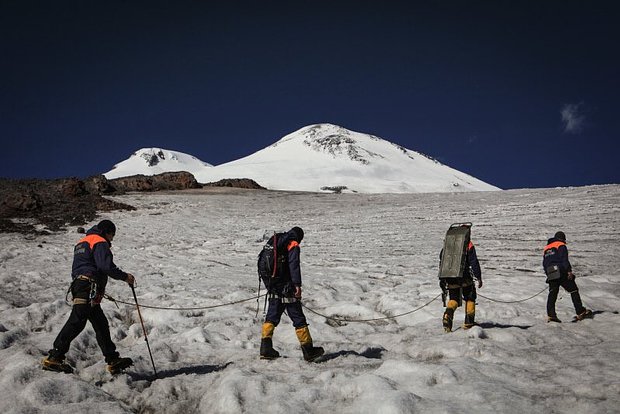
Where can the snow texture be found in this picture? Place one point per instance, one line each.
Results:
(363, 257)
(329, 158)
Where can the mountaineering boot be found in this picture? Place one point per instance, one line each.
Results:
(447, 321)
(553, 319)
(448, 315)
(470, 314)
(310, 351)
(266, 349)
(117, 365)
(586, 314)
(56, 364)
(266, 342)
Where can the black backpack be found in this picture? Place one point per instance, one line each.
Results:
(273, 261)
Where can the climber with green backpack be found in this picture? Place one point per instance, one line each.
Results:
(458, 267)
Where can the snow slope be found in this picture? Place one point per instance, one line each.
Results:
(363, 257)
(152, 161)
(324, 156)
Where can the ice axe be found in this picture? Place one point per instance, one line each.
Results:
(133, 290)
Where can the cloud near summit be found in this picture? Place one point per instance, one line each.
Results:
(573, 118)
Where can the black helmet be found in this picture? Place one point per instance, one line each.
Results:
(299, 233)
(106, 227)
(560, 236)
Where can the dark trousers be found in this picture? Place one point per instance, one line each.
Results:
(76, 323)
(294, 311)
(571, 287)
(468, 292)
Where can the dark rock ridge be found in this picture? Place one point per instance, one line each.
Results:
(28, 204)
(181, 180)
(25, 205)
(237, 183)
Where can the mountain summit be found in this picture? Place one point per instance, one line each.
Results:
(152, 161)
(326, 157)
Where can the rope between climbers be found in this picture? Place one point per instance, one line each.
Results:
(512, 301)
(116, 301)
(372, 319)
(110, 298)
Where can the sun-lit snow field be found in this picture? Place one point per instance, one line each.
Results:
(363, 257)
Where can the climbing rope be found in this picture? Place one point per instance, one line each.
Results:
(110, 298)
(117, 301)
(372, 319)
(512, 301)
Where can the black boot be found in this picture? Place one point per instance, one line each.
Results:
(266, 349)
(311, 352)
(119, 364)
(586, 314)
(56, 364)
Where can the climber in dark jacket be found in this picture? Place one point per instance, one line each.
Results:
(285, 295)
(92, 264)
(560, 273)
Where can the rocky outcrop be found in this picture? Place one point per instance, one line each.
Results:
(167, 181)
(28, 205)
(237, 183)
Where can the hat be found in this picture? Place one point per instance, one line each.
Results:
(299, 233)
(560, 236)
(106, 227)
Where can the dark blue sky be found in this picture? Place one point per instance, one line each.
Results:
(518, 94)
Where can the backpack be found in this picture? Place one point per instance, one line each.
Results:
(273, 261)
(454, 254)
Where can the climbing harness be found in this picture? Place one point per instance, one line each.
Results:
(92, 294)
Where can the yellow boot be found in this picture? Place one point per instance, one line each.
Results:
(448, 315)
(470, 314)
(266, 342)
(310, 351)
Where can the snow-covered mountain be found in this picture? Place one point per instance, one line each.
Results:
(323, 156)
(326, 157)
(152, 161)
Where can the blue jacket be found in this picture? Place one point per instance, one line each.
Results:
(92, 257)
(555, 253)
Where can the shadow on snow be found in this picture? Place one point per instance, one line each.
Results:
(197, 369)
(370, 353)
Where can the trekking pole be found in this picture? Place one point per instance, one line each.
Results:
(258, 297)
(143, 329)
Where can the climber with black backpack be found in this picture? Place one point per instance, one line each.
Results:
(279, 270)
